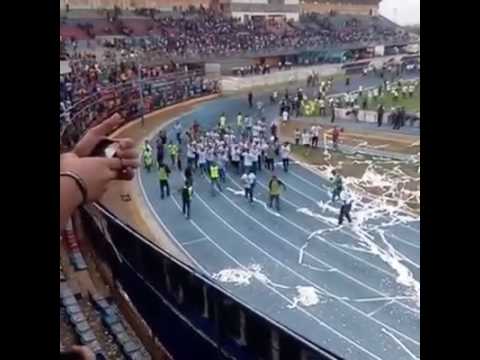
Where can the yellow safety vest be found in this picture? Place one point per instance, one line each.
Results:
(172, 149)
(275, 188)
(214, 172)
(162, 172)
(147, 157)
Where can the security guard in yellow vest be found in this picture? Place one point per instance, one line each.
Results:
(147, 153)
(214, 172)
(173, 151)
(275, 188)
(163, 173)
(187, 192)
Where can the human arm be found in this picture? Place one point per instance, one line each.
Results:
(86, 179)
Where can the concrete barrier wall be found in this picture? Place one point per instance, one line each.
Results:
(236, 83)
(233, 83)
(364, 116)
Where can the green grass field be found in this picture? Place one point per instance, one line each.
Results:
(411, 104)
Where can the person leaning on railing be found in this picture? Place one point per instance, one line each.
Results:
(84, 178)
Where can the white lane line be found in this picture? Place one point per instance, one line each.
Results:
(165, 228)
(401, 344)
(296, 273)
(338, 247)
(302, 165)
(343, 231)
(306, 231)
(395, 237)
(288, 300)
(196, 241)
(380, 308)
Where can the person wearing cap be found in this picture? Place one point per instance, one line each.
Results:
(274, 189)
(345, 209)
(214, 172)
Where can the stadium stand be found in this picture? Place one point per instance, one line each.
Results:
(93, 320)
(207, 33)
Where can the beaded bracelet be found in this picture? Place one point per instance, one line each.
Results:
(79, 181)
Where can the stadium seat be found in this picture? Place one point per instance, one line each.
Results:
(65, 291)
(110, 311)
(130, 347)
(95, 347)
(81, 327)
(111, 320)
(73, 309)
(77, 318)
(69, 300)
(78, 261)
(122, 338)
(87, 337)
(138, 355)
(117, 329)
(100, 303)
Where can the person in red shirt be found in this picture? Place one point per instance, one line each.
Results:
(335, 137)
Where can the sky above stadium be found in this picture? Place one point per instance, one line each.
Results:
(403, 12)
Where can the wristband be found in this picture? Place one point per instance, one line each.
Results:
(82, 186)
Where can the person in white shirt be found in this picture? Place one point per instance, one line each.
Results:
(210, 156)
(202, 159)
(297, 136)
(190, 155)
(247, 160)
(315, 135)
(254, 156)
(285, 116)
(284, 154)
(321, 103)
(236, 158)
(221, 160)
(255, 130)
(248, 123)
(249, 184)
(305, 138)
(411, 89)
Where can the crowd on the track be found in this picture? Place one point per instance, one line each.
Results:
(242, 147)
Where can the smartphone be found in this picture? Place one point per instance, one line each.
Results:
(105, 148)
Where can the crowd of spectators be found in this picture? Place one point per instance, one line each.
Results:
(95, 89)
(204, 32)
